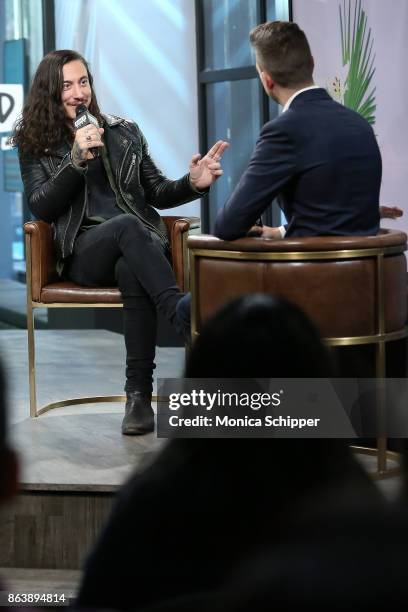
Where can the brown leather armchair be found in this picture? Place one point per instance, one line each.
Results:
(353, 288)
(46, 290)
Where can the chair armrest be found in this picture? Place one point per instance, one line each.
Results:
(177, 230)
(40, 256)
(386, 238)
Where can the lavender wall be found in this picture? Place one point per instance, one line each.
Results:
(389, 25)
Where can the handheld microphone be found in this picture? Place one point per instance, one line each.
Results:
(83, 118)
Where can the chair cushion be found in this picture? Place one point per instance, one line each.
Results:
(69, 292)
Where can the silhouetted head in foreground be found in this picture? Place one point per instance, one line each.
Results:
(259, 336)
(8, 459)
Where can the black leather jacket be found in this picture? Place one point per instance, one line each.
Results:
(57, 191)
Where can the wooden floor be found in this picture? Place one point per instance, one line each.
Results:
(76, 445)
(73, 459)
(21, 580)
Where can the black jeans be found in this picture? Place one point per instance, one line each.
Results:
(123, 252)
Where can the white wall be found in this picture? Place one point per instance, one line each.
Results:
(143, 57)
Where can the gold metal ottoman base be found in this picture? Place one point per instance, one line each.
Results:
(381, 472)
(76, 401)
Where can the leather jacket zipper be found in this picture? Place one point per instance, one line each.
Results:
(129, 172)
(146, 223)
(120, 169)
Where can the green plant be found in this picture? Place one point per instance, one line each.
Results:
(357, 46)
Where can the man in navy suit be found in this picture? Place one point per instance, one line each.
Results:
(321, 159)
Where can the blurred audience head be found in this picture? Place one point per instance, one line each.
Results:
(8, 459)
(259, 336)
(353, 561)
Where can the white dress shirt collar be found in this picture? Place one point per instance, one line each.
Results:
(289, 102)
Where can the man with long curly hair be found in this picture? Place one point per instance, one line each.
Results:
(101, 206)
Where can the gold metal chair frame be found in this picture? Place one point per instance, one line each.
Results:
(379, 339)
(36, 411)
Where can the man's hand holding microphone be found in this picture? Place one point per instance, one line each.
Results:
(88, 136)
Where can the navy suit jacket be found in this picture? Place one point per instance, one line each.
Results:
(323, 161)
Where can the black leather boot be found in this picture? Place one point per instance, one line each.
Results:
(139, 416)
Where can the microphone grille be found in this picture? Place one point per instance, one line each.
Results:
(81, 108)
